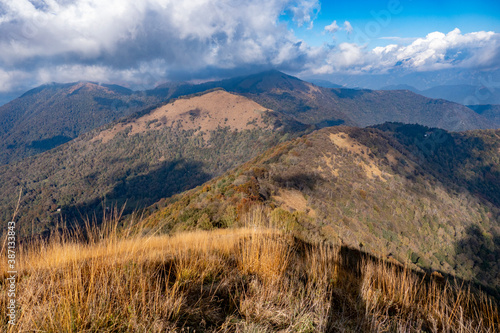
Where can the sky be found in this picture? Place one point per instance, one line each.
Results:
(142, 43)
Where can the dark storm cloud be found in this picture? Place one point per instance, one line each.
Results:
(150, 41)
(124, 40)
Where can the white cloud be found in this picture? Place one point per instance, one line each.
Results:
(434, 52)
(11, 80)
(144, 42)
(348, 27)
(438, 50)
(304, 11)
(349, 55)
(120, 36)
(332, 28)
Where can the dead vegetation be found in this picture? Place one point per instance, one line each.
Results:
(202, 114)
(253, 278)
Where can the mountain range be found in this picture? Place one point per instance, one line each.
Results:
(385, 172)
(406, 192)
(52, 114)
(321, 106)
(420, 80)
(142, 158)
(463, 94)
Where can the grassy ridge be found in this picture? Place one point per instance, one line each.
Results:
(253, 278)
(388, 193)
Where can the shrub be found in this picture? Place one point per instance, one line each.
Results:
(204, 222)
(284, 220)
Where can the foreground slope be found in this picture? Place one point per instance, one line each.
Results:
(52, 114)
(254, 279)
(140, 159)
(414, 194)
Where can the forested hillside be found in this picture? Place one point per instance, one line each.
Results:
(140, 159)
(50, 115)
(415, 194)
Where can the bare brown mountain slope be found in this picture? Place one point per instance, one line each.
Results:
(201, 114)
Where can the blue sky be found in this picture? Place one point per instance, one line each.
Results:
(143, 43)
(412, 19)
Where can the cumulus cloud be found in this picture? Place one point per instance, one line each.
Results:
(142, 43)
(332, 28)
(54, 39)
(11, 80)
(304, 11)
(436, 51)
(348, 27)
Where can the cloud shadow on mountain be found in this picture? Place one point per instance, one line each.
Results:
(140, 191)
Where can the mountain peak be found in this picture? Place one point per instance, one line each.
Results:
(84, 85)
(264, 82)
(89, 86)
(72, 87)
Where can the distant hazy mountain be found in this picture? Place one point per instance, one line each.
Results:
(52, 114)
(401, 87)
(419, 80)
(7, 97)
(490, 112)
(325, 83)
(465, 94)
(465, 87)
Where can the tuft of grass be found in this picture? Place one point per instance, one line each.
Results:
(399, 300)
(248, 279)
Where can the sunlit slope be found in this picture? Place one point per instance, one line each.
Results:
(407, 192)
(110, 279)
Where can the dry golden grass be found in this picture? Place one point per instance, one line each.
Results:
(200, 113)
(399, 300)
(251, 279)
